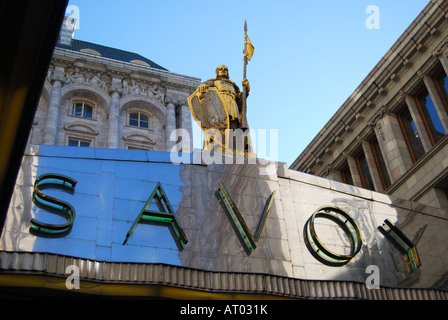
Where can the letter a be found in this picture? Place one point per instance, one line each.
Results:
(74, 276)
(373, 21)
(373, 281)
(165, 214)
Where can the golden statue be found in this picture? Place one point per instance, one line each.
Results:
(219, 108)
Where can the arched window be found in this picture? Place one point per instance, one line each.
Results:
(80, 134)
(82, 109)
(139, 119)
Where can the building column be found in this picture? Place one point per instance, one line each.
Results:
(331, 173)
(116, 90)
(51, 124)
(186, 124)
(437, 100)
(392, 144)
(354, 171)
(170, 123)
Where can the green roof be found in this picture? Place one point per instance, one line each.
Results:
(108, 52)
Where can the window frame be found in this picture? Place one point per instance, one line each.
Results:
(405, 136)
(424, 118)
(344, 169)
(382, 169)
(83, 102)
(360, 171)
(79, 141)
(139, 113)
(439, 90)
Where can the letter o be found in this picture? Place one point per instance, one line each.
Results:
(315, 246)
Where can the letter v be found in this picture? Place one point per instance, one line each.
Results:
(250, 242)
(164, 215)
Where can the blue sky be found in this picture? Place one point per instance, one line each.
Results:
(309, 55)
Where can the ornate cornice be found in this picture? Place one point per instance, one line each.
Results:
(441, 47)
(75, 75)
(80, 128)
(133, 86)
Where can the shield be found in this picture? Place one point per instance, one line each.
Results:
(208, 110)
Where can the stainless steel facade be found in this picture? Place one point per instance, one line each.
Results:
(113, 186)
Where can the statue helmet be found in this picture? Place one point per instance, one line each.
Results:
(221, 67)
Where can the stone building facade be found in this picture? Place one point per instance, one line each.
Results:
(390, 135)
(103, 97)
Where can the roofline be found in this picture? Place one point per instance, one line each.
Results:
(61, 45)
(181, 79)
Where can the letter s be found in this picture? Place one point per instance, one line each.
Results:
(54, 205)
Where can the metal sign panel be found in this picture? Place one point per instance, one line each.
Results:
(115, 189)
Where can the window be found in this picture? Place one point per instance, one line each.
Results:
(381, 165)
(410, 134)
(364, 173)
(82, 109)
(73, 142)
(441, 193)
(429, 116)
(441, 81)
(139, 119)
(346, 175)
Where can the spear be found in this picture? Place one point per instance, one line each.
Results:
(248, 52)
